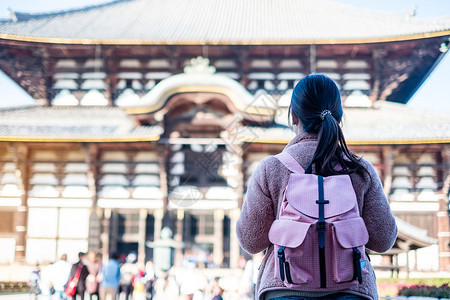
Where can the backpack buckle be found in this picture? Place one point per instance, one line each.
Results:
(281, 253)
(321, 224)
(322, 201)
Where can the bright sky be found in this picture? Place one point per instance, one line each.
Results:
(434, 94)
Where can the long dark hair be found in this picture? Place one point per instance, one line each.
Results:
(317, 103)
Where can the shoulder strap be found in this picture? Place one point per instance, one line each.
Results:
(289, 162)
(78, 273)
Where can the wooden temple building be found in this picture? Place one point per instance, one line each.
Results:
(153, 114)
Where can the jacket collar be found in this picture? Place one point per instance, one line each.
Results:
(301, 137)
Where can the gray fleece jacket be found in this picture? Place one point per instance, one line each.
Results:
(262, 204)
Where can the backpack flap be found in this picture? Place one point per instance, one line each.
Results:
(288, 236)
(288, 233)
(351, 233)
(302, 193)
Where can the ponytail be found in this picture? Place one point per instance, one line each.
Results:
(317, 103)
(326, 148)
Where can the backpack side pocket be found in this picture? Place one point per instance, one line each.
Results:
(348, 253)
(292, 251)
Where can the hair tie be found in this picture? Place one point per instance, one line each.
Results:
(324, 113)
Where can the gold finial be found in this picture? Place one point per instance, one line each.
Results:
(199, 65)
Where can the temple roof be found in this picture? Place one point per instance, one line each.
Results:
(387, 123)
(220, 22)
(417, 237)
(396, 123)
(72, 124)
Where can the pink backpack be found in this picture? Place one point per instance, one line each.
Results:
(319, 236)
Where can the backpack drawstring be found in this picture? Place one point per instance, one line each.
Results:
(284, 265)
(357, 265)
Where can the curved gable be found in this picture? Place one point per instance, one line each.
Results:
(198, 82)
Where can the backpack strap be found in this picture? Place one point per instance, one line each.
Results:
(321, 225)
(289, 162)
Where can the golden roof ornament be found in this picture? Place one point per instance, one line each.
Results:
(199, 65)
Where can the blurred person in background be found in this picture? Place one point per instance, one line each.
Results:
(167, 288)
(149, 280)
(250, 275)
(92, 281)
(139, 286)
(217, 290)
(60, 272)
(81, 287)
(110, 278)
(193, 283)
(129, 271)
(34, 282)
(46, 282)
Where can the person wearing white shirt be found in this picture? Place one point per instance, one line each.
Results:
(59, 276)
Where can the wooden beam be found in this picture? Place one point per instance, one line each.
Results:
(111, 69)
(312, 59)
(378, 56)
(142, 236)
(446, 169)
(388, 162)
(91, 152)
(20, 153)
(444, 215)
(164, 153)
(91, 158)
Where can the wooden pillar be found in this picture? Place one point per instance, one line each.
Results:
(234, 214)
(444, 215)
(163, 152)
(142, 235)
(234, 244)
(415, 261)
(378, 56)
(91, 159)
(444, 235)
(158, 215)
(94, 236)
(46, 88)
(114, 231)
(238, 161)
(312, 59)
(111, 69)
(341, 70)
(388, 164)
(20, 155)
(49, 64)
(407, 264)
(276, 71)
(406, 247)
(243, 65)
(179, 238)
(388, 260)
(218, 237)
(176, 62)
(396, 264)
(104, 236)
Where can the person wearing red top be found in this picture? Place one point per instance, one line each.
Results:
(81, 287)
